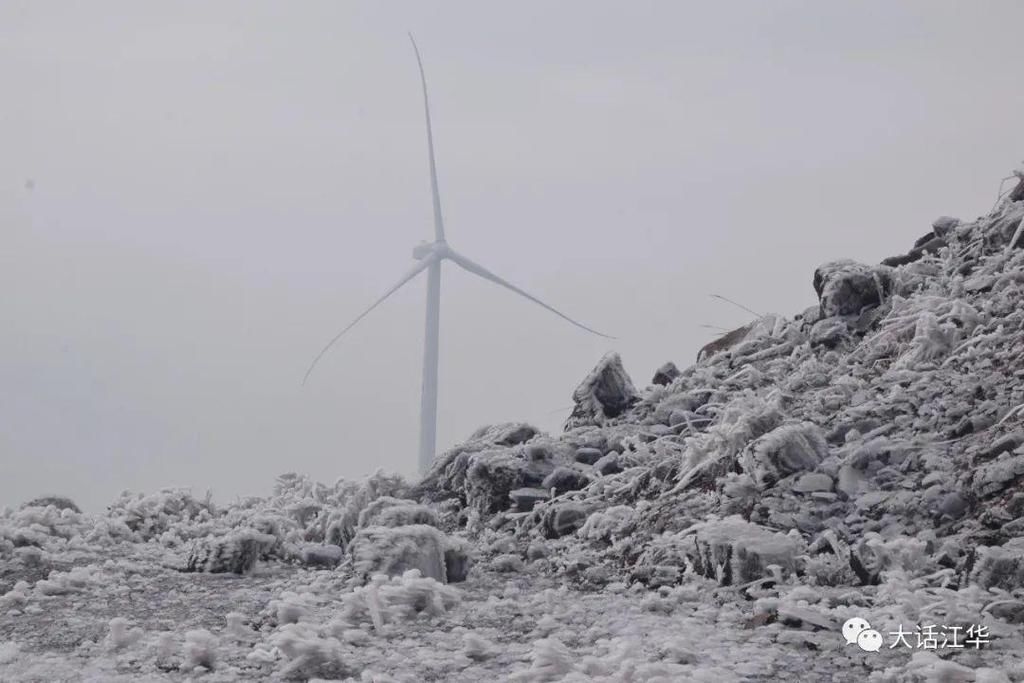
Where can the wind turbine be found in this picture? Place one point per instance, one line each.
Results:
(429, 256)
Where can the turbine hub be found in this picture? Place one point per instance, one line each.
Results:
(425, 250)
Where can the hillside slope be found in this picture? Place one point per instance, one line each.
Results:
(861, 459)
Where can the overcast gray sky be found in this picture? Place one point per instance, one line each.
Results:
(195, 196)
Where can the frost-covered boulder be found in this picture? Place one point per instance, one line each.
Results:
(324, 556)
(447, 476)
(564, 518)
(395, 550)
(236, 552)
(996, 476)
(492, 475)
(784, 450)
(734, 551)
(525, 499)
(603, 394)
(563, 479)
(609, 464)
(846, 288)
(664, 375)
(1000, 566)
(588, 455)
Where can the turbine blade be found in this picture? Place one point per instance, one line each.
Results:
(438, 221)
(477, 269)
(422, 265)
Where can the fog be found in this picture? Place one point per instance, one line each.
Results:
(195, 197)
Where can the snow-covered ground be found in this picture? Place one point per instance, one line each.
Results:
(814, 489)
(135, 619)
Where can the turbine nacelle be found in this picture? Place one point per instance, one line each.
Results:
(425, 250)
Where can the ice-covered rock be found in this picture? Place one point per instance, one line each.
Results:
(603, 394)
(813, 481)
(734, 551)
(665, 374)
(1001, 566)
(996, 476)
(236, 552)
(447, 475)
(563, 479)
(564, 518)
(846, 288)
(587, 455)
(326, 556)
(493, 474)
(525, 499)
(786, 449)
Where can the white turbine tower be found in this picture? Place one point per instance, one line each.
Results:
(429, 257)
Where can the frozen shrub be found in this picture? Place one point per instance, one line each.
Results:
(395, 550)
(783, 451)
(614, 522)
(291, 607)
(121, 635)
(828, 569)
(61, 583)
(388, 511)
(387, 600)
(59, 502)
(236, 628)
(16, 598)
(153, 515)
(552, 660)
(200, 649)
(307, 654)
(405, 515)
(342, 522)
